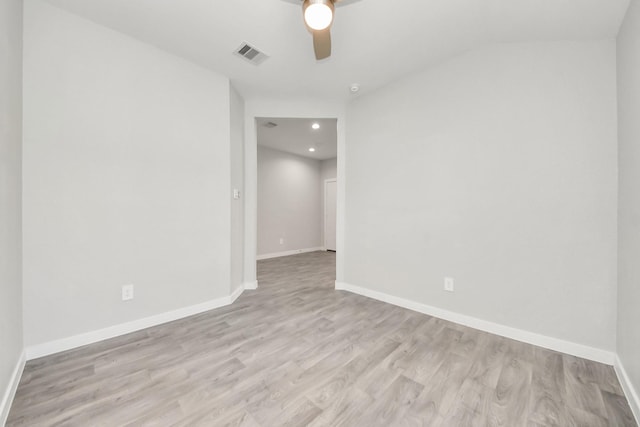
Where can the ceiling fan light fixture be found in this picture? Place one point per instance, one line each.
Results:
(318, 14)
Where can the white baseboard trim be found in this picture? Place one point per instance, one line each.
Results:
(10, 392)
(629, 390)
(287, 253)
(235, 294)
(251, 286)
(45, 349)
(575, 349)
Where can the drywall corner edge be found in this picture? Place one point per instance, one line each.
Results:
(568, 347)
(10, 392)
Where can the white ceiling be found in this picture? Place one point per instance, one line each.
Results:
(374, 41)
(296, 136)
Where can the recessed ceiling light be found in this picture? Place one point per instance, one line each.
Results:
(354, 88)
(312, 149)
(315, 126)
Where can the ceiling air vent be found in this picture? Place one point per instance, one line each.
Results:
(250, 54)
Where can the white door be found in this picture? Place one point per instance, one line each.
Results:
(330, 192)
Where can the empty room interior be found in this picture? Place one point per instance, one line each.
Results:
(320, 212)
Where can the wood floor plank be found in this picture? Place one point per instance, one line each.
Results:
(346, 376)
(618, 411)
(345, 409)
(510, 403)
(393, 403)
(582, 393)
(297, 352)
(488, 360)
(547, 388)
(442, 388)
(435, 351)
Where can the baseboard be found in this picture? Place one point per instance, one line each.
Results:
(251, 286)
(287, 253)
(629, 390)
(235, 294)
(568, 347)
(10, 392)
(52, 347)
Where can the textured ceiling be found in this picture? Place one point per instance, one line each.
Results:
(374, 41)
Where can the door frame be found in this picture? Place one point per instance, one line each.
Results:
(294, 108)
(324, 218)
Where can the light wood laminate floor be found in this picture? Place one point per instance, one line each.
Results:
(295, 352)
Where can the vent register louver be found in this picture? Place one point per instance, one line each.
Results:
(250, 54)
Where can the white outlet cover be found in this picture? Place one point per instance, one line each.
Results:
(448, 284)
(127, 292)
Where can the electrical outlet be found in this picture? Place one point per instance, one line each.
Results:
(127, 292)
(282, 240)
(236, 193)
(448, 284)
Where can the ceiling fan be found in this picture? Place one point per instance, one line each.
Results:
(318, 17)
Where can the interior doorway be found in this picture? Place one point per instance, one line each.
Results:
(296, 108)
(296, 186)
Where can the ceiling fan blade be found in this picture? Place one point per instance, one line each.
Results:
(341, 3)
(322, 43)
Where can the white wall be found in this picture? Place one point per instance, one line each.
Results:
(288, 202)
(237, 182)
(126, 178)
(328, 170)
(497, 168)
(10, 196)
(629, 198)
